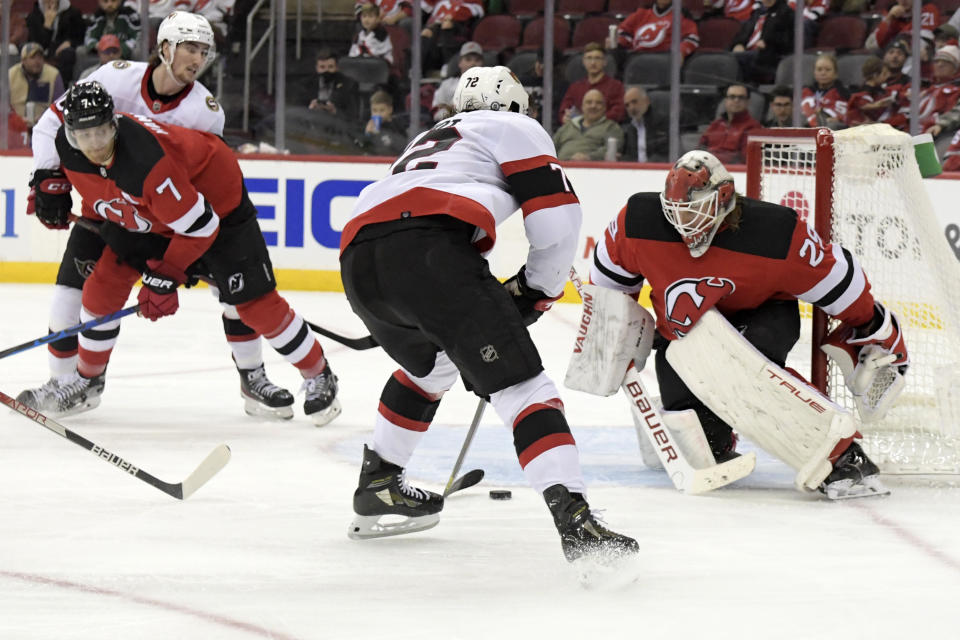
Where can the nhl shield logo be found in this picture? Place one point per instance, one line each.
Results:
(488, 353)
(235, 283)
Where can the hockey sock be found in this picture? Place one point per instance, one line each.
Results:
(244, 342)
(64, 312)
(404, 415)
(96, 345)
(286, 332)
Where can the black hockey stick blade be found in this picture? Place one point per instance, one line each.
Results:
(465, 481)
(357, 344)
(211, 465)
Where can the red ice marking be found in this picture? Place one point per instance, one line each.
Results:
(150, 602)
(906, 535)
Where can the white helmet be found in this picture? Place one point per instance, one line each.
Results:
(697, 196)
(493, 88)
(181, 26)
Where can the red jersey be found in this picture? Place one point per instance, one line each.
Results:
(813, 10)
(648, 30)
(739, 10)
(163, 179)
(830, 102)
(951, 157)
(727, 138)
(771, 255)
(611, 88)
(856, 114)
(456, 10)
(887, 30)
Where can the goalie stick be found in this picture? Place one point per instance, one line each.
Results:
(211, 465)
(69, 331)
(474, 476)
(683, 475)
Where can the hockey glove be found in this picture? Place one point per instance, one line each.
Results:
(531, 303)
(49, 198)
(158, 296)
(873, 360)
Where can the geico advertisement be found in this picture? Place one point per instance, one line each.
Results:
(303, 204)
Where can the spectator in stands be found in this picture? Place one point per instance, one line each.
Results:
(392, 12)
(108, 50)
(872, 103)
(119, 20)
(738, 10)
(33, 83)
(893, 60)
(448, 27)
(898, 20)
(595, 62)
(59, 28)
(648, 30)
(643, 140)
(371, 39)
(951, 157)
(824, 102)
(781, 108)
(533, 84)
(946, 34)
(813, 12)
(219, 13)
(726, 137)
(471, 55)
(584, 137)
(336, 92)
(383, 136)
(944, 118)
(765, 38)
(18, 133)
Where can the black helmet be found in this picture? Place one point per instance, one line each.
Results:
(86, 105)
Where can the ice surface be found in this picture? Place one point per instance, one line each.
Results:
(262, 551)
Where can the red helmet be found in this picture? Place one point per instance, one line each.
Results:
(697, 195)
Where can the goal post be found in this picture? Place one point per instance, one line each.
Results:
(861, 188)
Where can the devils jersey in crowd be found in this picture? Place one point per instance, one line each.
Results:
(511, 167)
(770, 255)
(648, 30)
(163, 179)
(128, 83)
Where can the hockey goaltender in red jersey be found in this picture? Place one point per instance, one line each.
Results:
(700, 245)
(413, 270)
(172, 205)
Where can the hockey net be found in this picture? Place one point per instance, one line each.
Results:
(861, 187)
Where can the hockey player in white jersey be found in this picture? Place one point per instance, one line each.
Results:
(165, 88)
(413, 270)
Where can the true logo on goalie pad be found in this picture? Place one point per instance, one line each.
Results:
(689, 298)
(651, 419)
(795, 390)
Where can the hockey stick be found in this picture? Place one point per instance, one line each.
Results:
(474, 476)
(69, 331)
(216, 460)
(357, 344)
(683, 475)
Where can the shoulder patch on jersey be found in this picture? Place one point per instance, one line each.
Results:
(121, 64)
(765, 230)
(212, 104)
(644, 219)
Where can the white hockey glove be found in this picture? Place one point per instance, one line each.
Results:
(873, 359)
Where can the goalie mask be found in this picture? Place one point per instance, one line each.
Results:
(88, 116)
(698, 195)
(181, 26)
(491, 88)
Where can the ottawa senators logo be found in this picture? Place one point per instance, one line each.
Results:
(124, 213)
(688, 299)
(212, 104)
(120, 64)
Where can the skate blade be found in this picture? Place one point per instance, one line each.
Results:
(255, 409)
(326, 416)
(607, 572)
(86, 405)
(367, 527)
(848, 489)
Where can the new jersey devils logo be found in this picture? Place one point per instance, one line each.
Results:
(123, 213)
(688, 299)
(651, 34)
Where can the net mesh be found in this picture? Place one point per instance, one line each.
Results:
(882, 214)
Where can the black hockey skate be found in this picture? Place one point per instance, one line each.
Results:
(383, 491)
(321, 403)
(854, 475)
(65, 396)
(581, 534)
(262, 398)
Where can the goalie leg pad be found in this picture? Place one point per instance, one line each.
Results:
(614, 330)
(686, 431)
(779, 412)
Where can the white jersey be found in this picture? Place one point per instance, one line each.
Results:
(126, 82)
(481, 167)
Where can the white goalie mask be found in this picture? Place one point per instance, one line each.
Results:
(698, 195)
(491, 88)
(181, 26)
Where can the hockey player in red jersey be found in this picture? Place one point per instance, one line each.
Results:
(413, 270)
(700, 245)
(171, 204)
(166, 90)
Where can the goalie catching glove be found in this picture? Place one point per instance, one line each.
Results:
(158, 296)
(531, 303)
(49, 198)
(873, 359)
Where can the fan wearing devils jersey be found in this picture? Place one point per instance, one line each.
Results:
(648, 30)
(171, 202)
(700, 245)
(164, 89)
(413, 270)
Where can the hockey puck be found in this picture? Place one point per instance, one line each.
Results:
(500, 494)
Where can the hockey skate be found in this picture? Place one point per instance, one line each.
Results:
(65, 396)
(581, 534)
(262, 398)
(854, 475)
(321, 403)
(383, 491)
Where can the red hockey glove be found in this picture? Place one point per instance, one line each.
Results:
(49, 198)
(158, 296)
(531, 303)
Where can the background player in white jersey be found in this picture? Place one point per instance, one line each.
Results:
(165, 89)
(413, 270)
